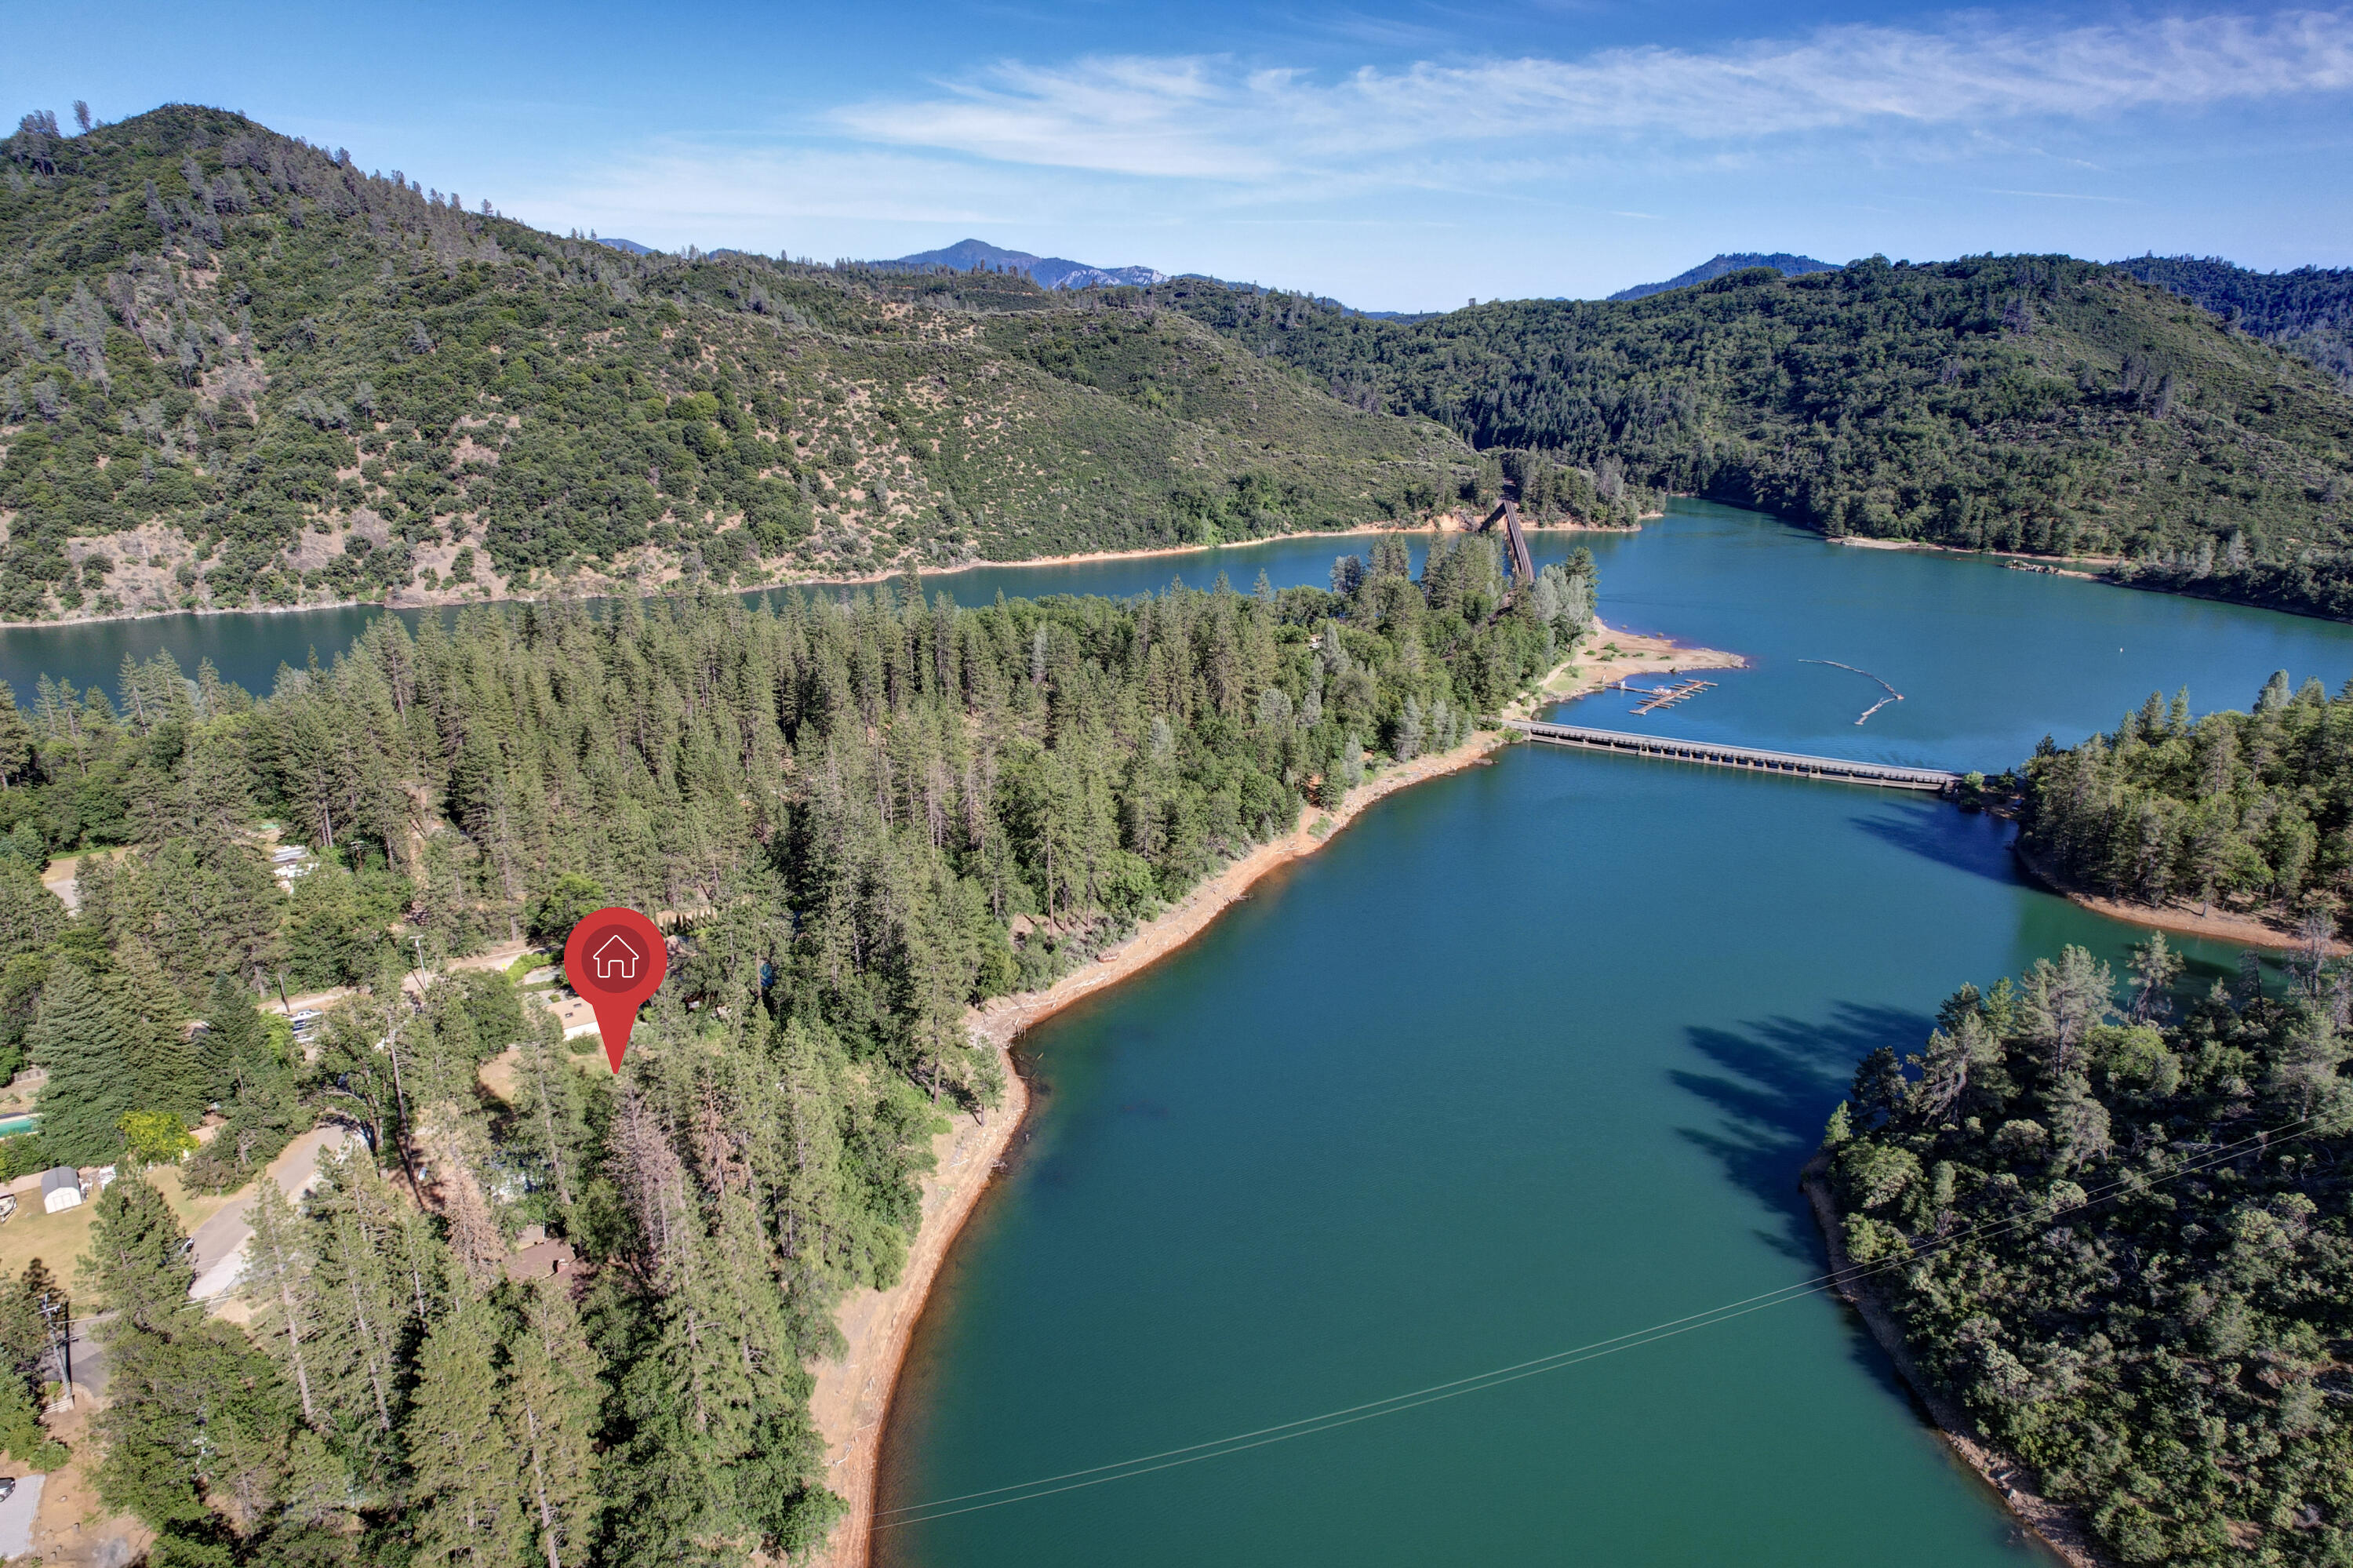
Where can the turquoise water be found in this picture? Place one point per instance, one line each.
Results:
(1528, 1058)
(1984, 655)
(10, 1126)
(248, 648)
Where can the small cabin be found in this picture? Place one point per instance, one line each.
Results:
(545, 1260)
(60, 1189)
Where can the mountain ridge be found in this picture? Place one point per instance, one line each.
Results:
(2308, 311)
(237, 372)
(1724, 263)
(1046, 272)
(2040, 404)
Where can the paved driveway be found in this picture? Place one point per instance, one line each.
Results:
(16, 1517)
(220, 1242)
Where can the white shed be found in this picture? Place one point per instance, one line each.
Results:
(60, 1189)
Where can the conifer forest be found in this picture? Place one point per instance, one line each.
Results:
(864, 812)
(2110, 1220)
(667, 533)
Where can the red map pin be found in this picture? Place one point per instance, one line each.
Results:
(616, 959)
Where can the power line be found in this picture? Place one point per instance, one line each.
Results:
(1309, 1426)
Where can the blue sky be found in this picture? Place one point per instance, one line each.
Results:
(1395, 157)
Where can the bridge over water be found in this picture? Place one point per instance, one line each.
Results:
(1710, 754)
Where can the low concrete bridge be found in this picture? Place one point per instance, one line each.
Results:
(1516, 559)
(1882, 775)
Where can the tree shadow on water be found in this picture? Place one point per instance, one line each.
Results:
(1975, 843)
(1780, 1080)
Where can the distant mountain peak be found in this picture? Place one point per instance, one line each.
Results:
(1046, 272)
(1788, 266)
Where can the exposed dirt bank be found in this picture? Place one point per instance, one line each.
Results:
(602, 585)
(2247, 930)
(2094, 568)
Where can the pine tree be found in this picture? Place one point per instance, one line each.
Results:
(235, 1042)
(26, 1350)
(718, 1405)
(22, 1435)
(216, 786)
(548, 1104)
(278, 1282)
(30, 915)
(85, 1041)
(16, 741)
(167, 1065)
(553, 1398)
(806, 1188)
(196, 1418)
(474, 1236)
(138, 1264)
(468, 1492)
(369, 1306)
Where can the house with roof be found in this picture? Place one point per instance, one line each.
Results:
(537, 1258)
(617, 960)
(60, 1189)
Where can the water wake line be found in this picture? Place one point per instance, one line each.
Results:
(1893, 695)
(1330, 1420)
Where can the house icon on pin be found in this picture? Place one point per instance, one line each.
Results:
(617, 960)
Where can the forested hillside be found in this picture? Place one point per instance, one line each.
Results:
(2249, 811)
(2308, 311)
(234, 369)
(1717, 266)
(2018, 403)
(869, 814)
(2120, 1244)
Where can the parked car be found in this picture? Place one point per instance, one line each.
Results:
(7, 1488)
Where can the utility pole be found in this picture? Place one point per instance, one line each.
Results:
(391, 1042)
(400, 1136)
(61, 1344)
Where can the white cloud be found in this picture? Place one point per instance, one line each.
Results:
(1208, 117)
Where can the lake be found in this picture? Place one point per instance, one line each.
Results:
(1974, 647)
(247, 648)
(1529, 1057)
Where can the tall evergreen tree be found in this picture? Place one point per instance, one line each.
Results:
(370, 1307)
(167, 1063)
(89, 1045)
(553, 1398)
(470, 1486)
(196, 1419)
(549, 1105)
(278, 1281)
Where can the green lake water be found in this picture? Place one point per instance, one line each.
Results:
(1528, 1058)
(248, 648)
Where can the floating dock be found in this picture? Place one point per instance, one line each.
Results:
(1663, 696)
(1709, 754)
